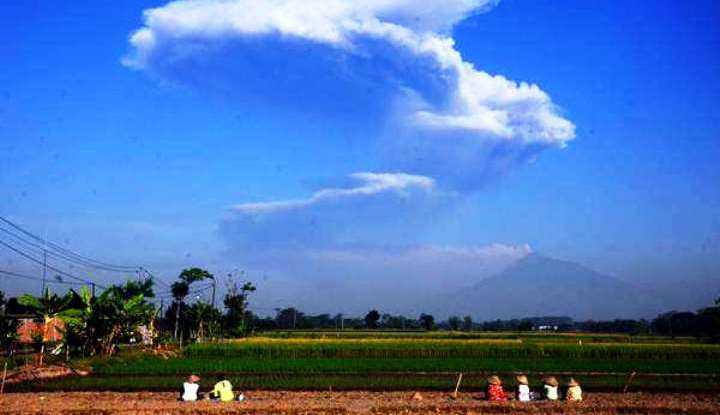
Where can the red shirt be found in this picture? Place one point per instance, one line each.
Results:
(496, 393)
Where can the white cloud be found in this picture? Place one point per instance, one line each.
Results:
(372, 184)
(471, 102)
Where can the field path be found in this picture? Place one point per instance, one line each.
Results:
(262, 402)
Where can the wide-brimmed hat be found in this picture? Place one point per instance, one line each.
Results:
(494, 380)
(573, 382)
(550, 380)
(193, 378)
(521, 379)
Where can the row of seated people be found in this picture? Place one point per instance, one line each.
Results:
(550, 390)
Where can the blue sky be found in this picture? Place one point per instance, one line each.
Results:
(155, 158)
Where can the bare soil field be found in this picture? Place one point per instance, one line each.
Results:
(278, 402)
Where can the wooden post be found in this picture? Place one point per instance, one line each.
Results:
(630, 379)
(457, 386)
(2, 387)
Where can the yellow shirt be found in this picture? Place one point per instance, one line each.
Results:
(223, 389)
(574, 393)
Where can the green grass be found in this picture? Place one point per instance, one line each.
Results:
(184, 366)
(566, 337)
(407, 361)
(447, 348)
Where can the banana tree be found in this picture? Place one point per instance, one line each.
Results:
(202, 316)
(117, 313)
(51, 307)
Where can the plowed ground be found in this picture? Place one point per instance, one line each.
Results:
(262, 402)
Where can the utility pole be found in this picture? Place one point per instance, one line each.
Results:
(213, 292)
(294, 317)
(92, 288)
(42, 293)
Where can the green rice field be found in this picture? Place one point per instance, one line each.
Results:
(410, 360)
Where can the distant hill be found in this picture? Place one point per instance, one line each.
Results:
(538, 285)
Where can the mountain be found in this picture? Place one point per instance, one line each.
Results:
(540, 286)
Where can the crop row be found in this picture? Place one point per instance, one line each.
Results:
(569, 337)
(202, 365)
(445, 348)
(347, 382)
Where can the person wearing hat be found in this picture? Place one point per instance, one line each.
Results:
(495, 390)
(550, 388)
(574, 392)
(523, 390)
(190, 389)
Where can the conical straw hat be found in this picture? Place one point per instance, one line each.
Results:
(550, 380)
(494, 380)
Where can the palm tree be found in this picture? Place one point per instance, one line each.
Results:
(180, 290)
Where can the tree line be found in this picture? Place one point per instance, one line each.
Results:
(125, 313)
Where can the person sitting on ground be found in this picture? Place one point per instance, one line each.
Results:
(190, 389)
(222, 390)
(495, 390)
(550, 388)
(574, 393)
(523, 390)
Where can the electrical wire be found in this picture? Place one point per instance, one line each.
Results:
(162, 282)
(29, 277)
(67, 251)
(60, 256)
(59, 271)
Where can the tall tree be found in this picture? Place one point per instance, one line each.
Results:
(454, 323)
(427, 321)
(236, 302)
(467, 323)
(287, 318)
(372, 318)
(181, 288)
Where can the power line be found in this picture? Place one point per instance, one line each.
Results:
(52, 249)
(56, 254)
(198, 290)
(67, 251)
(59, 271)
(155, 278)
(29, 277)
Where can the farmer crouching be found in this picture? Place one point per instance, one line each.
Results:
(574, 393)
(550, 388)
(190, 389)
(223, 390)
(523, 390)
(494, 391)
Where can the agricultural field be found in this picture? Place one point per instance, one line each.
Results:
(408, 361)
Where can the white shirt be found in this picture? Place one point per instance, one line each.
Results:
(190, 391)
(523, 393)
(551, 392)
